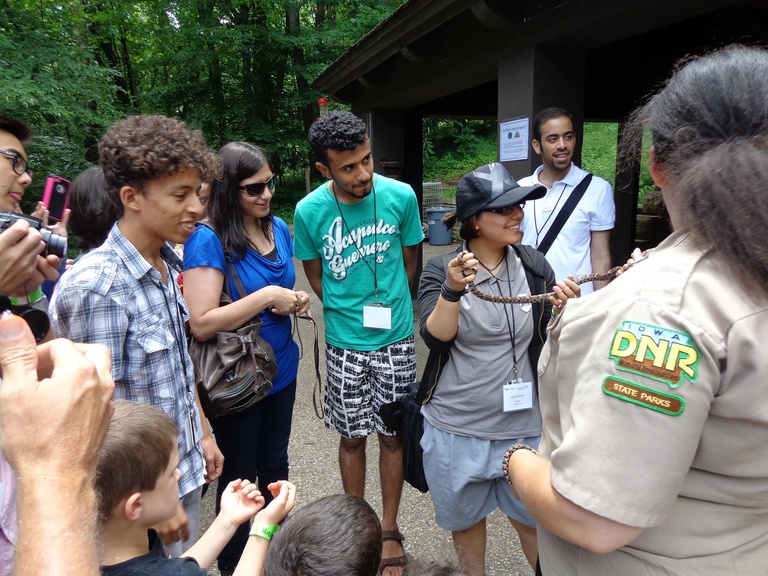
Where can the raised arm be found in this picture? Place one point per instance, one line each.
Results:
(51, 432)
(252, 560)
(440, 314)
(239, 502)
(202, 291)
(22, 268)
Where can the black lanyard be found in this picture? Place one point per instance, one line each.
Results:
(511, 328)
(176, 321)
(375, 238)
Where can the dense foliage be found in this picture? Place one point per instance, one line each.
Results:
(237, 69)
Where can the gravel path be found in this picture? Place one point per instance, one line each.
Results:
(314, 469)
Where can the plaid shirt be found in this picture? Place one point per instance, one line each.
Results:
(113, 296)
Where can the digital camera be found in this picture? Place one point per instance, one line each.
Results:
(55, 244)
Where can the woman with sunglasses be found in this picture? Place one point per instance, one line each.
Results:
(482, 361)
(254, 442)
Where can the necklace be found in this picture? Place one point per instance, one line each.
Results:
(375, 238)
(491, 270)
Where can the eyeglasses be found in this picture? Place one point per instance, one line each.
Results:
(257, 188)
(506, 210)
(18, 163)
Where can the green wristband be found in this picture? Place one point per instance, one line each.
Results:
(265, 531)
(35, 296)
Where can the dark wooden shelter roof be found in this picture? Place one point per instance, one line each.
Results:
(428, 50)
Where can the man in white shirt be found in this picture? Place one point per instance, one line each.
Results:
(582, 245)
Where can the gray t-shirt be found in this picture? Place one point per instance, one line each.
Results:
(468, 399)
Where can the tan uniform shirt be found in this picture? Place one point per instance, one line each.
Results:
(654, 401)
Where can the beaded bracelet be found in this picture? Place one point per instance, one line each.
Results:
(508, 454)
(449, 294)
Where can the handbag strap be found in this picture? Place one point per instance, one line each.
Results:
(241, 293)
(564, 214)
(236, 277)
(318, 388)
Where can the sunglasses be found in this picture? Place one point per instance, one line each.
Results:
(18, 163)
(506, 210)
(257, 188)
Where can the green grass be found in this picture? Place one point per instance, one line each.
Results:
(456, 163)
(598, 154)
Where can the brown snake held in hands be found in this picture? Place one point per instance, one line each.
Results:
(537, 298)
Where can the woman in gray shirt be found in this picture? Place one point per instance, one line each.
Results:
(483, 361)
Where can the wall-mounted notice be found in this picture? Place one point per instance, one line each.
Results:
(513, 139)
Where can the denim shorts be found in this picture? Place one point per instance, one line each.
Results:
(465, 478)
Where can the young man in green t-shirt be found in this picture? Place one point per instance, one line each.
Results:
(358, 237)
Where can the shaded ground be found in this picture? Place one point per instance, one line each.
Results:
(314, 469)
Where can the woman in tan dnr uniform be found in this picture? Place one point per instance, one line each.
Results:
(653, 396)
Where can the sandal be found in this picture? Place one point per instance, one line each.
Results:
(395, 560)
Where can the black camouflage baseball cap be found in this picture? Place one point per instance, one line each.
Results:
(491, 186)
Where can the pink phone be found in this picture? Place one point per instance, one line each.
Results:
(56, 196)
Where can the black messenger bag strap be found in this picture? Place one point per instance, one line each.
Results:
(564, 214)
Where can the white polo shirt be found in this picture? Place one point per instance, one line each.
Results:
(570, 252)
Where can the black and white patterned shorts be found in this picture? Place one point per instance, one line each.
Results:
(360, 381)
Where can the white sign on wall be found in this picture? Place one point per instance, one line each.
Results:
(513, 139)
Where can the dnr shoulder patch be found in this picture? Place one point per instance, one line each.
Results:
(662, 354)
(642, 396)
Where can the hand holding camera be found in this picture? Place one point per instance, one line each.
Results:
(26, 258)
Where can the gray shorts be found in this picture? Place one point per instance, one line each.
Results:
(360, 381)
(465, 478)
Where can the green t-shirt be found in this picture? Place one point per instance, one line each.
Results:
(352, 241)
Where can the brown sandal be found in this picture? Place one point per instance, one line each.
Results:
(395, 560)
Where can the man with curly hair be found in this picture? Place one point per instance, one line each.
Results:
(358, 236)
(124, 294)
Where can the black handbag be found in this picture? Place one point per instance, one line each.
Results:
(234, 370)
(413, 429)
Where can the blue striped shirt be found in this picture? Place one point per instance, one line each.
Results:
(113, 296)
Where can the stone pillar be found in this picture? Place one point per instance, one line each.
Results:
(396, 146)
(534, 78)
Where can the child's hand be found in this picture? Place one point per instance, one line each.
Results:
(284, 494)
(240, 501)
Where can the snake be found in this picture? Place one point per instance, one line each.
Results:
(538, 298)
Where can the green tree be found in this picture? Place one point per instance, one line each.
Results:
(51, 80)
(236, 69)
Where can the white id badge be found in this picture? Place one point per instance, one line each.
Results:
(518, 395)
(377, 315)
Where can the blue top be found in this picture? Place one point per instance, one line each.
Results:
(256, 272)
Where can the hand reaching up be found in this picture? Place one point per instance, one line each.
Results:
(284, 494)
(240, 501)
